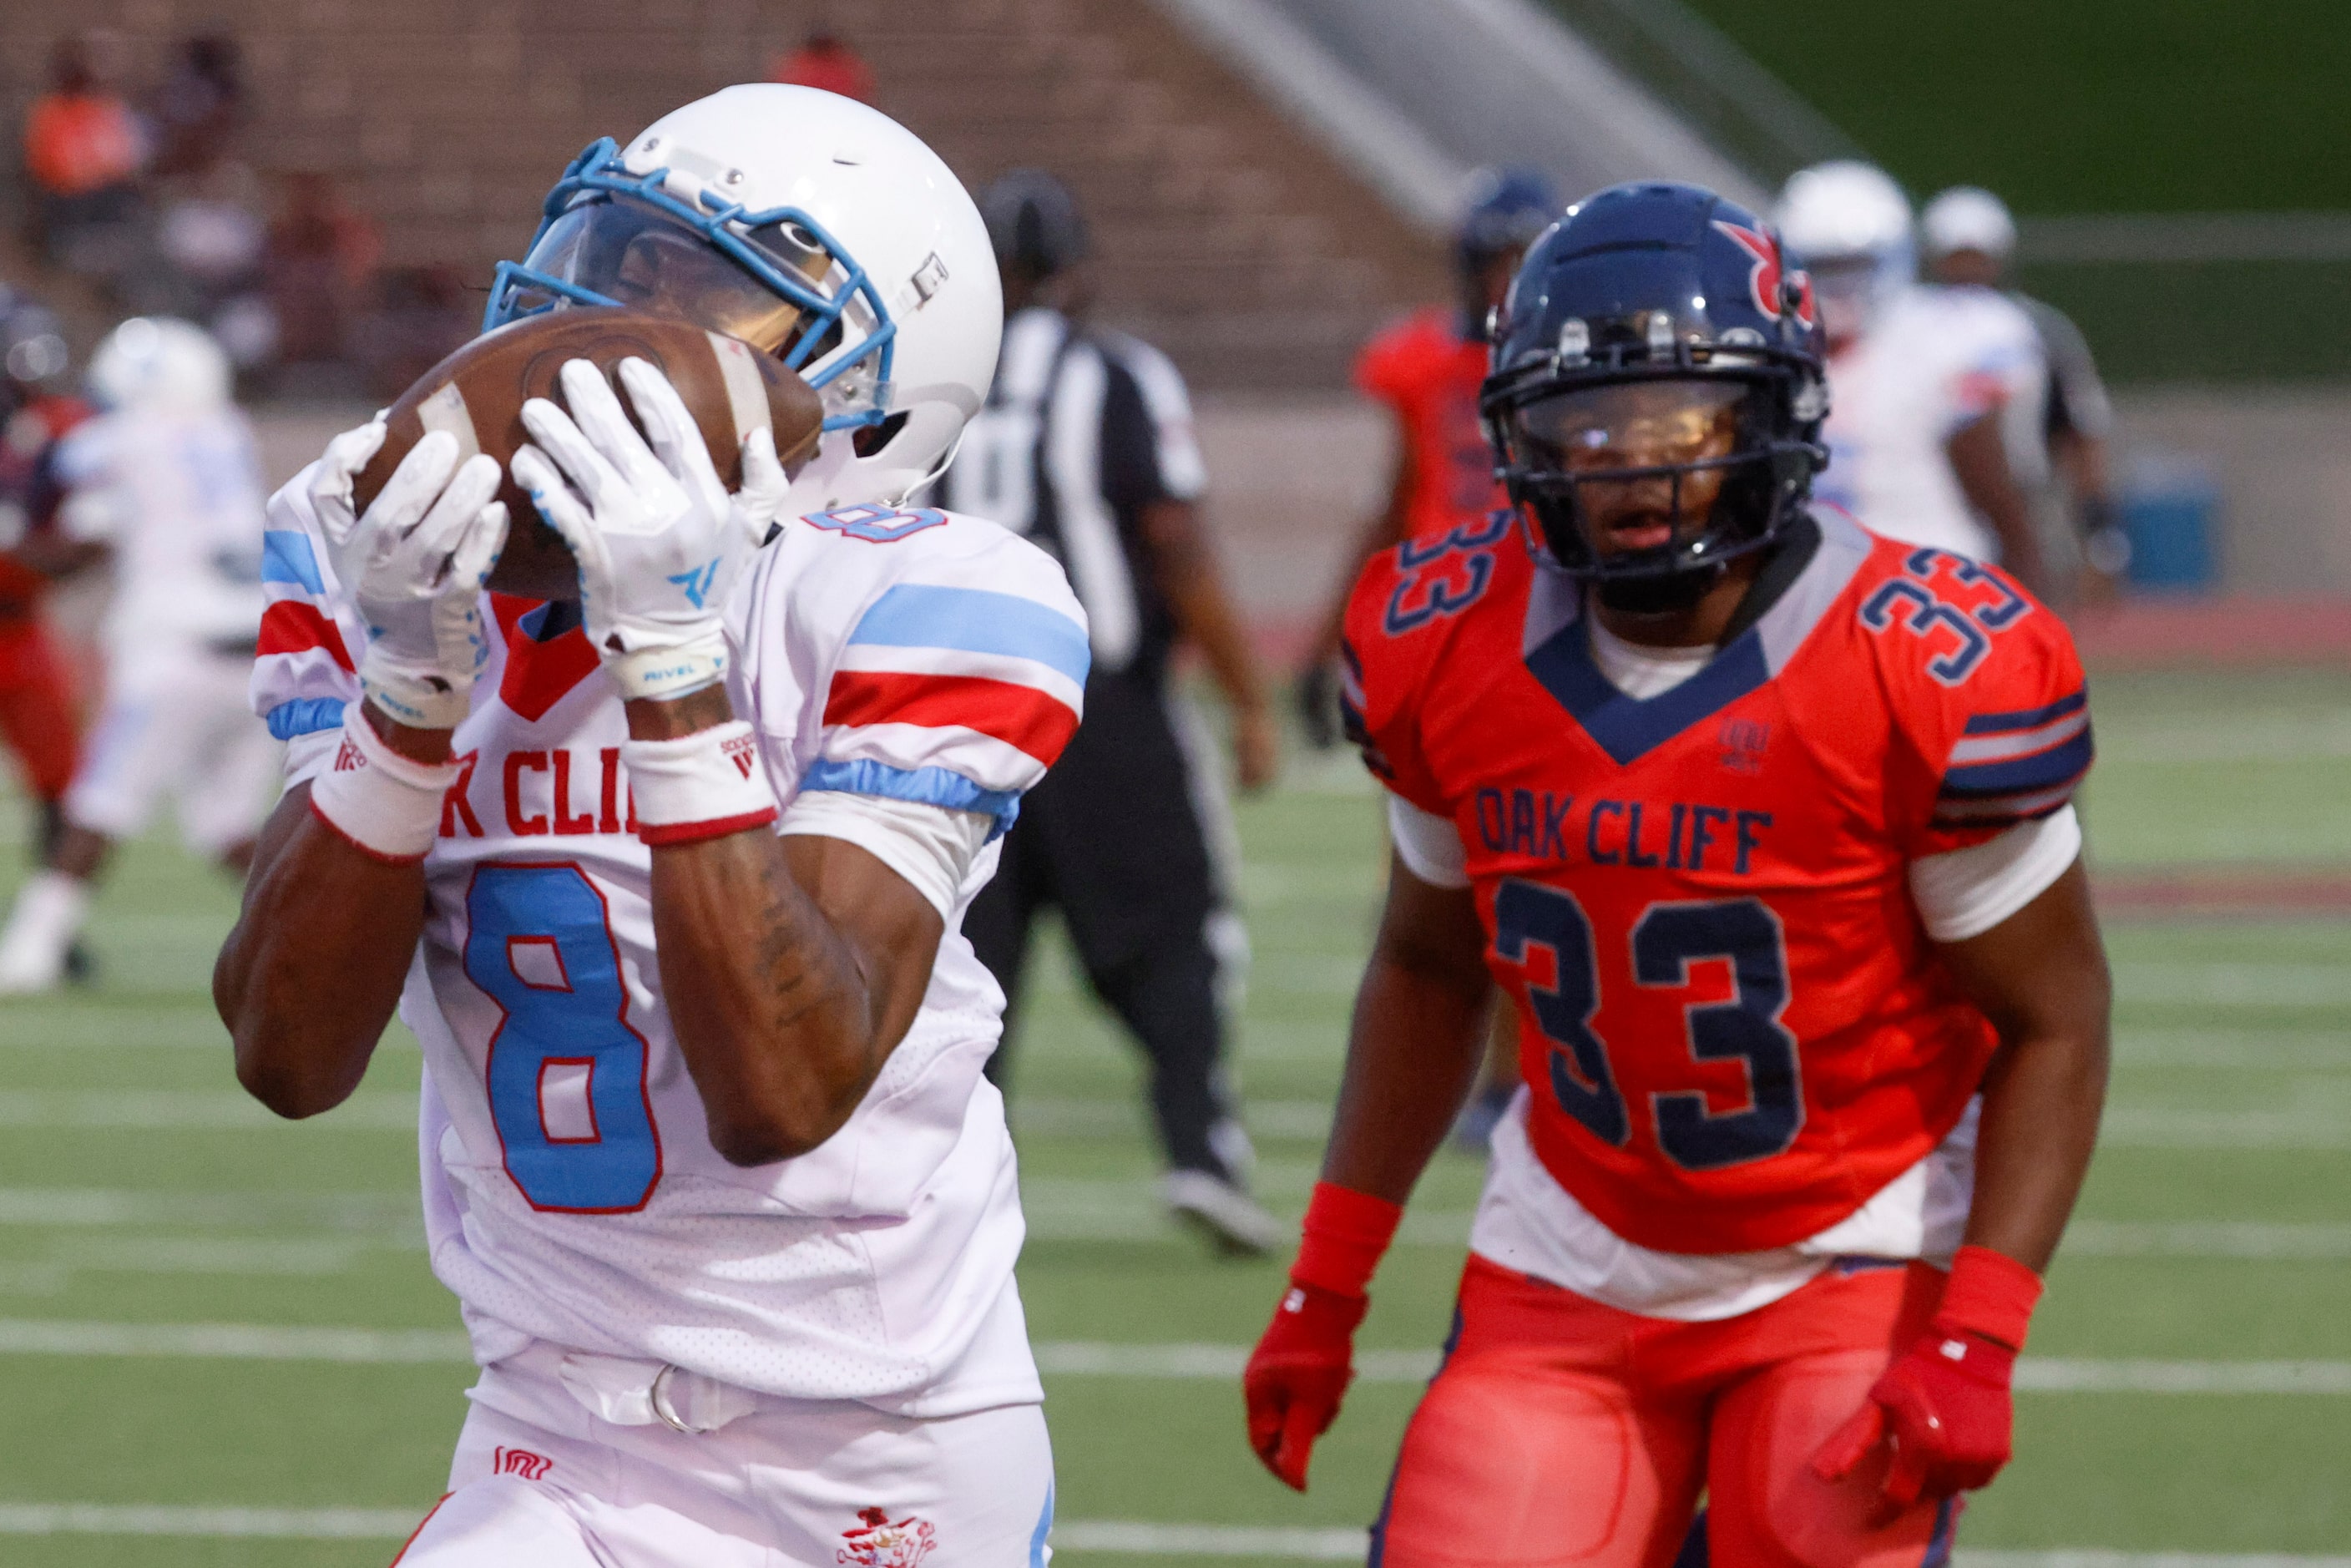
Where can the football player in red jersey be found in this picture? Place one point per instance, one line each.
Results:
(37, 712)
(1426, 370)
(1762, 822)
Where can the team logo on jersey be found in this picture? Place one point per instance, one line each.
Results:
(1763, 280)
(520, 1462)
(876, 1542)
(1743, 741)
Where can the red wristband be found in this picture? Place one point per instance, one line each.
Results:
(1341, 1238)
(1991, 1294)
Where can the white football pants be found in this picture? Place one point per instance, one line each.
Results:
(540, 1483)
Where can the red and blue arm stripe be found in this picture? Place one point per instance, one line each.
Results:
(2007, 767)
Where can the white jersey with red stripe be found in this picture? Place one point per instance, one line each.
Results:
(572, 1196)
(1933, 360)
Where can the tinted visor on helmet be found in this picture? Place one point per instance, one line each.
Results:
(1630, 477)
(637, 255)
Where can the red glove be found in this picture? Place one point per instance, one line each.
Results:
(1943, 1407)
(1301, 1368)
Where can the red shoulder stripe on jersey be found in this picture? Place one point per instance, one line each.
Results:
(290, 626)
(1018, 715)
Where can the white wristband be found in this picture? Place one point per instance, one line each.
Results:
(386, 805)
(700, 786)
(672, 670)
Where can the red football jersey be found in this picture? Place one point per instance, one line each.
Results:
(1734, 1024)
(1425, 371)
(28, 436)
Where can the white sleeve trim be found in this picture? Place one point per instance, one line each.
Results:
(1429, 845)
(932, 847)
(1965, 892)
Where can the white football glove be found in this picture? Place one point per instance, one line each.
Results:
(415, 566)
(659, 540)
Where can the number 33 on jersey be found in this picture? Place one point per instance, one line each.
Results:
(1734, 1025)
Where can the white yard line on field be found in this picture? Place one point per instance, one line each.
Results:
(1071, 1358)
(388, 1217)
(2232, 984)
(1118, 1537)
(235, 1341)
(190, 1110)
(2209, 1238)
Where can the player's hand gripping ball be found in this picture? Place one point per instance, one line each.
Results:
(1298, 1374)
(659, 540)
(415, 563)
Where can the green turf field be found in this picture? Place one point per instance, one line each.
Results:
(141, 1200)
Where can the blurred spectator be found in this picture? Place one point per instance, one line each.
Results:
(421, 314)
(200, 105)
(320, 257)
(84, 151)
(825, 60)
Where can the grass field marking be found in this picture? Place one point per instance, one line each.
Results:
(2256, 1240)
(2262, 1050)
(2039, 1374)
(1112, 1537)
(392, 1216)
(2165, 1127)
(235, 1341)
(2228, 983)
(1130, 1538)
(236, 1523)
(192, 1110)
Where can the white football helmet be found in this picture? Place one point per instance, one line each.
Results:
(1848, 225)
(1968, 217)
(159, 365)
(812, 228)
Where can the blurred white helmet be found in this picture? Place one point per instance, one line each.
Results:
(1848, 224)
(160, 365)
(812, 228)
(1968, 217)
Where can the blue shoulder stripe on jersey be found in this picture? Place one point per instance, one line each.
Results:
(976, 621)
(1629, 727)
(2028, 719)
(304, 715)
(2042, 770)
(287, 557)
(923, 786)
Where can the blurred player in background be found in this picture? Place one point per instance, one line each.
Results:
(1936, 391)
(1970, 243)
(166, 484)
(1762, 821)
(707, 1156)
(1086, 448)
(1426, 370)
(38, 720)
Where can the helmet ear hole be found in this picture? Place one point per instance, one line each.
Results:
(870, 439)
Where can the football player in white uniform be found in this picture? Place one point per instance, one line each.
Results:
(707, 1156)
(166, 484)
(1933, 393)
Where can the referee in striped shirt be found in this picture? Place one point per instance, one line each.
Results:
(1086, 447)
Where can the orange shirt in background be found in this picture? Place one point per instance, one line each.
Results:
(78, 142)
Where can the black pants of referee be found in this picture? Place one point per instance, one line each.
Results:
(1113, 840)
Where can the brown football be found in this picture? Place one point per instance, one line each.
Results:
(477, 393)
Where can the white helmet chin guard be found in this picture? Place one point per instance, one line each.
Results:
(160, 365)
(1848, 224)
(814, 228)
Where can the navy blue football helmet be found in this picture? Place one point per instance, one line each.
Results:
(1509, 209)
(1658, 283)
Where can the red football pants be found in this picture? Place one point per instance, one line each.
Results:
(1564, 1434)
(37, 708)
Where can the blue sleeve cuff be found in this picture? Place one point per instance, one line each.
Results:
(924, 785)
